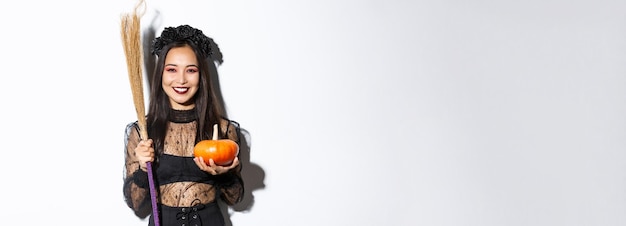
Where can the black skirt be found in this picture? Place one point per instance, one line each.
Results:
(198, 215)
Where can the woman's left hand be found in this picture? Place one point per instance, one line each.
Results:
(213, 168)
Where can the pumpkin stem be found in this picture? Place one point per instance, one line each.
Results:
(215, 132)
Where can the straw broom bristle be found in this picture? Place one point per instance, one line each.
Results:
(131, 40)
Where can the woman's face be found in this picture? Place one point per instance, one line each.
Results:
(181, 76)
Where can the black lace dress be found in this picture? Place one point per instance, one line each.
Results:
(186, 194)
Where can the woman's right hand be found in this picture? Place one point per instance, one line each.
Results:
(144, 152)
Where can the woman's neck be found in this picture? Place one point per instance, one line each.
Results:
(182, 116)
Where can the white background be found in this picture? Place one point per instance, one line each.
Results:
(442, 113)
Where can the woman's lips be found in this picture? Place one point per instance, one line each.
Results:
(181, 90)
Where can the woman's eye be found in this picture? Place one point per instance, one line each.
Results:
(170, 69)
(192, 70)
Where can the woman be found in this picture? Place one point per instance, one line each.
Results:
(182, 111)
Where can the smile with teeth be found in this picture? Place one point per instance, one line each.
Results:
(181, 90)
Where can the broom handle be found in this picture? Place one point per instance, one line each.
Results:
(155, 210)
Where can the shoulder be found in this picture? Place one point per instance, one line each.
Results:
(230, 128)
(226, 124)
(132, 126)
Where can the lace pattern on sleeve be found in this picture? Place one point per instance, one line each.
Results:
(135, 188)
(231, 184)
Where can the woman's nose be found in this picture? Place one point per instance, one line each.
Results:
(181, 78)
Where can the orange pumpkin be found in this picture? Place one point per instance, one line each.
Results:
(222, 151)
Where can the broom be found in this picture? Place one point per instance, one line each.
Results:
(130, 27)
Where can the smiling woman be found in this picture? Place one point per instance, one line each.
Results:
(181, 113)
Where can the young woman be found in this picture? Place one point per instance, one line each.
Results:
(182, 110)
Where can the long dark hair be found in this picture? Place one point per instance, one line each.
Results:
(209, 108)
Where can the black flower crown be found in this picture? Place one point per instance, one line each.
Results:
(182, 33)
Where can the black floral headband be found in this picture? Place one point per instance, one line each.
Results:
(183, 33)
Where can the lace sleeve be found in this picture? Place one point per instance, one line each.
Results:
(231, 183)
(135, 189)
